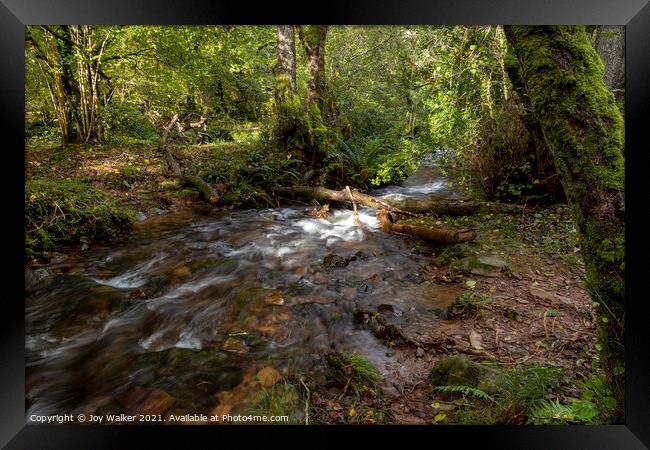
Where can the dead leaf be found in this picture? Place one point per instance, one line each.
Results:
(476, 340)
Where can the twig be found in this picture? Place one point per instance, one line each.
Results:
(354, 207)
(345, 389)
(306, 401)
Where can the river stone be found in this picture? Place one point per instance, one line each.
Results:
(234, 345)
(157, 211)
(192, 377)
(541, 293)
(275, 298)
(140, 216)
(32, 277)
(486, 265)
(332, 260)
(138, 400)
(268, 376)
(460, 370)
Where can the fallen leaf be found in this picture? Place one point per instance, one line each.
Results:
(476, 340)
(440, 417)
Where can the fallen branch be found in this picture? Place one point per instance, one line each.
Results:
(354, 206)
(406, 207)
(324, 194)
(434, 234)
(208, 193)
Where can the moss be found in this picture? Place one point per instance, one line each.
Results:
(351, 368)
(59, 213)
(563, 76)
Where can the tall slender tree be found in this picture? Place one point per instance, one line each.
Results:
(70, 57)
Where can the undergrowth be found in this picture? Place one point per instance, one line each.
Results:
(59, 213)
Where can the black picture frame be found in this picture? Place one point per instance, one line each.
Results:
(15, 14)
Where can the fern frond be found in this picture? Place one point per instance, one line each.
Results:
(465, 390)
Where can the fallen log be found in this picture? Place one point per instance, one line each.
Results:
(438, 235)
(209, 194)
(407, 207)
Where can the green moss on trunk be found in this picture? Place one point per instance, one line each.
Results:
(563, 78)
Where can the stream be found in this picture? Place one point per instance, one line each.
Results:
(190, 303)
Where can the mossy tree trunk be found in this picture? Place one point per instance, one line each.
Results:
(320, 102)
(286, 67)
(313, 39)
(563, 78)
(291, 128)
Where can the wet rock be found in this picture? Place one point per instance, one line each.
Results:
(541, 293)
(332, 260)
(486, 265)
(268, 376)
(140, 216)
(234, 345)
(57, 258)
(190, 376)
(84, 247)
(460, 370)
(145, 401)
(157, 212)
(136, 294)
(419, 352)
(274, 298)
(33, 277)
(84, 239)
(182, 271)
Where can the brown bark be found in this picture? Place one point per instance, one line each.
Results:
(208, 193)
(313, 40)
(409, 207)
(438, 235)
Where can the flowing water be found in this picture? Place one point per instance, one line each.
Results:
(191, 302)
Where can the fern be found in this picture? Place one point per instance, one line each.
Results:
(550, 412)
(553, 413)
(465, 390)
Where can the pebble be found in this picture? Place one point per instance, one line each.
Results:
(419, 352)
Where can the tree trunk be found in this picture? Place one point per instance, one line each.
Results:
(405, 207)
(319, 102)
(285, 71)
(290, 131)
(563, 78)
(313, 40)
(609, 42)
(438, 235)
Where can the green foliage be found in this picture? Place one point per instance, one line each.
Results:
(41, 132)
(60, 212)
(281, 399)
(521, 395)
(597, 404)
(465, 390)
(251, 171)
(128, 124)
(352, 368)
(469, 303)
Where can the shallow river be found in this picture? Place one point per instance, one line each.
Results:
(191, 302)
